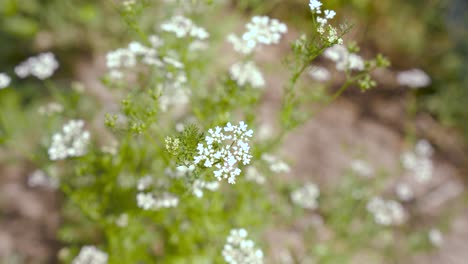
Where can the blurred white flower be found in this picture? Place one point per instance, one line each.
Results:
(90, 255)
(419, 161)
(435, 237)
(41, 66)
(240, 45)
(414, 78)
(200, 185)
(386, 212)
(122, 220)
(306, 196)
(320, 74)
(240, 250)
(144, 183)
(4, 80)
(264, 30)
(252, 174)
(184, 27)
(50, 109)
(72, 141)
(344, 59)
(362, 168)
(40, 179)
(404, 192)
(247, 73)
(148, 201)
(276, 165)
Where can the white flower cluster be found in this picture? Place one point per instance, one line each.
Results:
(435, 237)
(41, 66)
(224, 148)
(71, 142)
(362, 168)
(260, 30)
(252, 174)
(247, 73)
(276, 165)
(414, 78)
(200, 185)
(173, 91)
(180, 171)
(144, 183)
(344, 59)
(324, 29)
(240, 250)
(50, 109)
(264, 30)
(183, 27)
(4, 80)
(40, 179)
(122, 58)
(320, 74)
(386, 212)
(306, 196)
(404, 192)
(90, 255)
(148, 201)
(419, 161)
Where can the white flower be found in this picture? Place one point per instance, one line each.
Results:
(41, 66)
(343, 59)
(122, 220)
(240, 250)
(148, 201)
(71, 142)
(320, 74)
(386, 212)
(414, 78)
(247, 73)
(306, 196)
(435, 237)
(264, 30)
(50, 109)
(90, 255)
(404, 192)
(184, 27)
(39, 179)
(253, 175)
(224, 148)
(144, 183)
(276, 165)
(329, 14)
(419, 161)
(423, 148)
(240, 45)
(315, 6)
(4, 80)
(199, 185)
(362, 168)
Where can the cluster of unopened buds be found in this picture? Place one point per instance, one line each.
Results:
(224, 148)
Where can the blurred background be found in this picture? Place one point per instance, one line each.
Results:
(427, 34)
